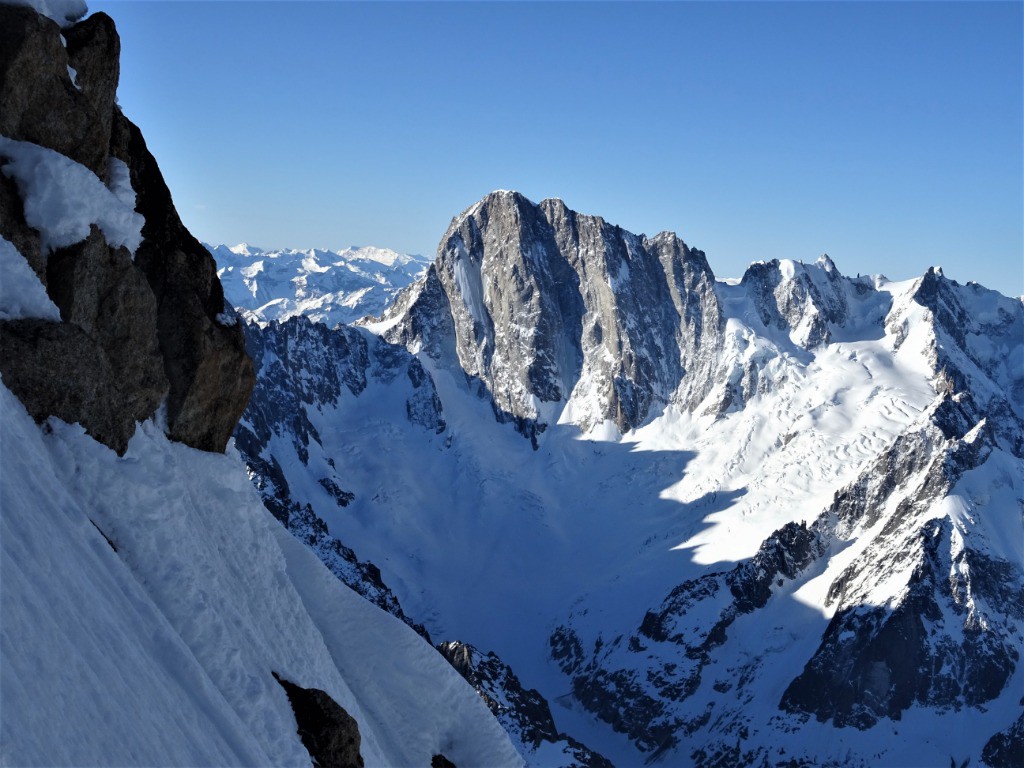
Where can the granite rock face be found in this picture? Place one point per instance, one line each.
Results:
(145, 328)
(41, 104)
(543, 307)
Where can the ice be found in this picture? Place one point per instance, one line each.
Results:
(467, 276)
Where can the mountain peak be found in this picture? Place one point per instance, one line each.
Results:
(825, 262)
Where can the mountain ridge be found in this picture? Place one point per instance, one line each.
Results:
(326, 286)
(807, 428)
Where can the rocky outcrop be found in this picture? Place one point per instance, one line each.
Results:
(1006, 748)
(209, 373)
(41, 104)
(805, 302)
(524, 713)
(136, 329)
(943, 633)
(328, 732)
(692, 621)
(950, 639)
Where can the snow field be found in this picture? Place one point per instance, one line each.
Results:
(162, 652)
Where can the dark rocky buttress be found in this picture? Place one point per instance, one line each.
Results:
(135, 332)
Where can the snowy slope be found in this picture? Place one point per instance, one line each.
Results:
(156, 645)
(828, 443)
(331, 287)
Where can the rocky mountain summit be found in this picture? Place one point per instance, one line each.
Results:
(562, 315)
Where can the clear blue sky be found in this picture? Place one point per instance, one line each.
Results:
(888, 135)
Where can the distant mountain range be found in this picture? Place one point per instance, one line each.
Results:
(331, 287)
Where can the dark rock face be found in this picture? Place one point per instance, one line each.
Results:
(876, 662)
(142, 329)
(523, 713)
(107, 336)
(690, 624)
(210, 375)
(36, 353)
(1006, 749)
(329, 733)
(440, 761)
(40, 103)
(949, 642)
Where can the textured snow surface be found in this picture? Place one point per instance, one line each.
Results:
(64, 12)
(22, 294)
(63, 198)
(160, 652)
(326, 286)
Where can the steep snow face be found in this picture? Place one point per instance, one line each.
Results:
(150, 598)
(308, 374)
(331, 287)
(800, 553)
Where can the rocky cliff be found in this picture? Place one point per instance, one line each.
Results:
(142, 320)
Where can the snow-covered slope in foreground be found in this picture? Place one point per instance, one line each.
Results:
(147, 600)
(326, 286)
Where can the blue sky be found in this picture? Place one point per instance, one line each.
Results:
(888, 135)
